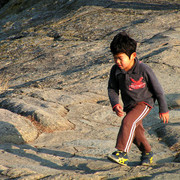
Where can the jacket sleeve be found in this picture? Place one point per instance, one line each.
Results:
(113, 88)
(156, 90)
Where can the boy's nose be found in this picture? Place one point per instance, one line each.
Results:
(118, 62)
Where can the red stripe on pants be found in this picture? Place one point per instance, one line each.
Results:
(132, 130)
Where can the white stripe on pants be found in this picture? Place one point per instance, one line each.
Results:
(134, 127)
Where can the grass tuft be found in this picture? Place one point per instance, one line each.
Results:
(4, 83)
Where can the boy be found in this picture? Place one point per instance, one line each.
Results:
(139, 89)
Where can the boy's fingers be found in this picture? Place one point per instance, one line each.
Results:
(164, 120)
(119, 107)
(164, 117)
(167, 118)
(119, 112)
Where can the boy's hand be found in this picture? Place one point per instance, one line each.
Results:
(119, 110)
(164, 117)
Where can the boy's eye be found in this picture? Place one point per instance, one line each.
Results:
(118, 59)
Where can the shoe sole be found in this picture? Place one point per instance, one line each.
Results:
(146, 164)
(115, 160)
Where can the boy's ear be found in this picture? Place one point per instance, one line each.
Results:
(133, 55)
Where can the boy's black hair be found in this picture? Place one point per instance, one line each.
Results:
(122, 43)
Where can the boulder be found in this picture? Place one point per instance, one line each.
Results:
(15, 128)
(47, 116)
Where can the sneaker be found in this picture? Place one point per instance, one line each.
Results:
(119, 157)
(147, 158)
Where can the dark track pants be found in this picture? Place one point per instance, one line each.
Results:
(132, 131)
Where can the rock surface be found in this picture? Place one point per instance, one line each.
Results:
(55, 118)
(16, 129)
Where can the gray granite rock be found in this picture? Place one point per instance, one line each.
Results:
(54, 70)
(48, 116)
(16, 128)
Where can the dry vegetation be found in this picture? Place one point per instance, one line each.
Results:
(4, 83)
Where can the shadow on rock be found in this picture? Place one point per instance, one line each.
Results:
(10, 137)
(168, 134)
(28, 152)
(165, 160)
(173, 100)
(12, 142)
(33, 153)
(9, 134)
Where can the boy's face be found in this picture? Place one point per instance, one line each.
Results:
(123, 61)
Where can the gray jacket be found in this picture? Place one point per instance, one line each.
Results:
(137, 85)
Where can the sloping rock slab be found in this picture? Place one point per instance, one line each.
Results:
(170, 132)
(48, 116)
(75, 176)
(20, 173)
(15, 128)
